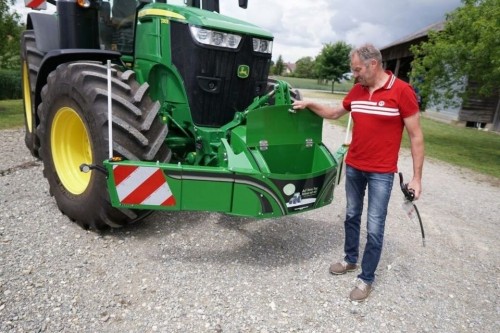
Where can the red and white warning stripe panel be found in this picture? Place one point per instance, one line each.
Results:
(136, 185)
(36, 4)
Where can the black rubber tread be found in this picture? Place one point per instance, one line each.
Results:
(138, 134)
(33, 58)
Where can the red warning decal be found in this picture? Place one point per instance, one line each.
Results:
(137, 185)
(36, 4)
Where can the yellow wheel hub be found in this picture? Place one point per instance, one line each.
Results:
(27, 97)
(70, 144)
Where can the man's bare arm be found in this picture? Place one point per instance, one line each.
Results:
(416, 136)
(321, 110)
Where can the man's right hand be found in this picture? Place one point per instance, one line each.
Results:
(300, 105)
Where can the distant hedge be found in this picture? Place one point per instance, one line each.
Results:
(10, 84)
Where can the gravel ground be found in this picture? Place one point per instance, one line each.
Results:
(207, 272)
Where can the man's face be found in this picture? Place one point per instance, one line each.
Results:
(363, 71)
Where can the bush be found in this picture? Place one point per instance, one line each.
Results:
(10, 85)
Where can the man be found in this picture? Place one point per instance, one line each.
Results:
(381, 105)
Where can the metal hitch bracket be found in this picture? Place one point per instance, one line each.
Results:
(88, 167)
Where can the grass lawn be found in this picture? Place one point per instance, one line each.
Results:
(465, 147)
(301, 83)
(11, 114)
(457, 145)
(326, 95)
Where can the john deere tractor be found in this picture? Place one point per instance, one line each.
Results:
(136, 106)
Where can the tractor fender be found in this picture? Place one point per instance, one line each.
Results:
(54, 58)
(46, 30)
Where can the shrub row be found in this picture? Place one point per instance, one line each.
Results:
(10, 84)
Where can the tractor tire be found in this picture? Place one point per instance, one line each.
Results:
(73, 130)
(31, 59)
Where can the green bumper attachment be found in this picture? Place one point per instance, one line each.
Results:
(271, 165)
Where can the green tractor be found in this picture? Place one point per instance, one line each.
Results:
(137, 106)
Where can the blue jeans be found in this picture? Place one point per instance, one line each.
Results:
(379, 192)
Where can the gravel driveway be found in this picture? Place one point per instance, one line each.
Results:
(207, 272)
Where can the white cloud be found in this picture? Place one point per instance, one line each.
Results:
(302, 27)
(366, 32)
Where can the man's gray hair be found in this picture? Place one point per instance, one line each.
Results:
(367, 52)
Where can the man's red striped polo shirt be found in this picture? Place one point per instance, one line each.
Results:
(378, 124)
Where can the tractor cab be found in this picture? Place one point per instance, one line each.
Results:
(117, 19)
(116, 25)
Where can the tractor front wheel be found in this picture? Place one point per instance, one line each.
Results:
(73, 131)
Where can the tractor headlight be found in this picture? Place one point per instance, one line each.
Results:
(262, 45)
(215, 38)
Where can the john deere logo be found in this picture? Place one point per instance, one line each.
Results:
(243, 71)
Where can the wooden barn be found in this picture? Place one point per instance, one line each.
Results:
(476, 112)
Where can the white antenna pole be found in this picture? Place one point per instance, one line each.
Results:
(348, 130)
(341, 165)
(110, 114)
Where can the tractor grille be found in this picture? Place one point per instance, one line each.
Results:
(215, 92)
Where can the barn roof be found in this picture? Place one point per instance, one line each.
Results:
(416, 35)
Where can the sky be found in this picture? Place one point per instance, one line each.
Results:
(302, 27)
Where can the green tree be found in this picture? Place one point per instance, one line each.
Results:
(333, 62)
(10, 34)
(467, 49)
(304, 67)
(279, 67)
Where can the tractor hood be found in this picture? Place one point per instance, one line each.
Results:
(203, 18)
